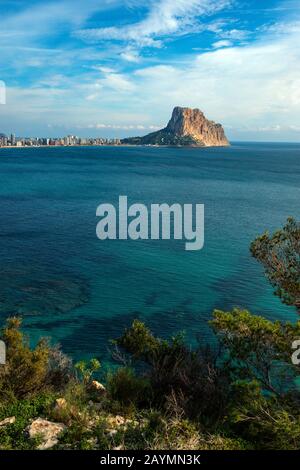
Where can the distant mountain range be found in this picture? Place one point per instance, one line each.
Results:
(187, 127)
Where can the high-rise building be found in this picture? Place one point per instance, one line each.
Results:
(3, 140)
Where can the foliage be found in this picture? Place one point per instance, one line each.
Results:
(241, 394)
(140, 342)
(29, 371)
(182, 380)
(257, 348)
(162, 137)
(25, 371)
(280, 256)
(60, 368)
(267, 422)
(128, 389)
(183, 399)
(74, 408)
(86, 370)
(12, 436)
(249, 390)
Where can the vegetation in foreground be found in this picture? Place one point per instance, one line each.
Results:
(240, 394)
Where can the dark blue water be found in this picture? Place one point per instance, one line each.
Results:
(82, 292)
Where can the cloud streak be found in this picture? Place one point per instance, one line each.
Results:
(165, 18)
(46, 18)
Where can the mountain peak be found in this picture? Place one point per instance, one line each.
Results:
(192, 122)
(187, 126)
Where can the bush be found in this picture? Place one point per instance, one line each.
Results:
(60, 369)
(25, 371)
(29, 372)
(268, 422)
(182, 381)
(280, 257)
(257, 348)
(128, 389)
(12, 436)
(86, 370)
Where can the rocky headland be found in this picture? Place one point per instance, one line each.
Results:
(187, 127)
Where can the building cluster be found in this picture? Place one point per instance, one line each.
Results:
(13, 141)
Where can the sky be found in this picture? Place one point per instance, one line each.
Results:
(112, 68)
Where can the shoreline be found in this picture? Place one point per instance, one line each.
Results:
(109, 145)
(53, 146)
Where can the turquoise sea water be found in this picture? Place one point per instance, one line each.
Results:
(82, 292)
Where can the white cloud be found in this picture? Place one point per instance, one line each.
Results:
(105, 69)
(30, 22)
(126, 127)
(93, 96)
(156, 72)
(117, 82)
(130, 56)
(235, 34)
(282, 28)
(221, 43)
(53, 81)
(165, 18)
(257, 84)
(111, 81)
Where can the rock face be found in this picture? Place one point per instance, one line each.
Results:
(98, 386)
(193, 123)
(186, 127)
(47, 431)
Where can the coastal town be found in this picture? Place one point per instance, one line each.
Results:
(70, 140)
(186, 128)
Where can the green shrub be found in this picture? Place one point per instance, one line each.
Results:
(280, 257)
(26, 369)
(268, 422)
(183, 381)
(126, 388)
(12, 436)
(30, 371)
(86, 370)
(257, 348)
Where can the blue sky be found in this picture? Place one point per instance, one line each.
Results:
(116, 68)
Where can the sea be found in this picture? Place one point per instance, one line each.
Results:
(83, 292)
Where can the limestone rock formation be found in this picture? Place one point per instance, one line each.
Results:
(98, 386)
(47, 431)
(186, 127)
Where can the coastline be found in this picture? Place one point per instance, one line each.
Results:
(53, 146)
(111, 145)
